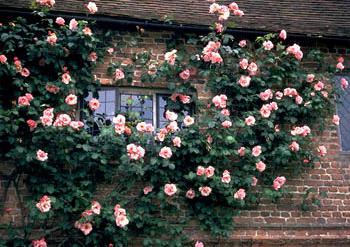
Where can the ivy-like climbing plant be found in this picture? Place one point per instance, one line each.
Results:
(132, 183)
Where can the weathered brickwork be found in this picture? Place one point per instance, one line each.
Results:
(281, 224)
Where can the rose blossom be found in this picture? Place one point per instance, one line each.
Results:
(199, 244)
(73, 25)
(71, 99)
(322, 150)
(244, 81)
(62, 120)
(119, 74)
(165, 153)
(294, 146)
(283, 34)
(243, 63)
(238, 13)
(302, 131)
(76, 125)
(266, 95)
(170, 57)
(249, 121)
(3, 59)
(240, 194)
(268, 45)
(120, 216)
(188, 121)
(298, 100)
(254, 181)
(52, 89)
(147, 190)
(25, 72)
(241, 151)
(177, 141)
(344, 83)
(51, 38)
(278, 182)
(135, 152)
(60, 21)
(319, 86)
(340, 66)
(41, 155)
(252, 68)
(256, 151)
(200, 171)
(23, 101)
(31, 124)
(205, 191)
(225, 112)
(184, 75)
(46, 3)
(220, 101)
(172, 127)
(94, 104)
(233, 6)
(39, 243)
(44, 204)
(265, 111)
(219, 28)
(242, 43)
(86, 228)
(209, 171)
(336, 119)
(110, 50)
(226, 124)
(260, 166)
(226, 177)
(310, 77)
(171, 116)
(96, 207)
(295, 50)
(66, 78)
(92, 7)
(170, 189)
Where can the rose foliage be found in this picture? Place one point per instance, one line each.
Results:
(133, 182)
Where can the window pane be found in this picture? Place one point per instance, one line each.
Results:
(137, 106)
(161, 108)
(343, 110)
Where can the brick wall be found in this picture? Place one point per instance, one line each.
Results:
(283, 223)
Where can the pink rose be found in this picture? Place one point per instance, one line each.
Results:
(170, 189)
(165, 153)
(172, 127)
(46, 3)
(94, 104)
(238, 13)
(185, 99)
(73, 25)
(87, 31)
(52, 89)
(199, 244)
(336, 119)
(242, 43)
(295, 50)
(39, 243)
(254, 181)
(200, 171)
(310, 77)
(120, 216)
(283, 34)
(220, 101)
(243, 63)
(205, 191)
(252, 68)
(147, 190)
(219, 28)
(226, 124)
(119, 74)
(266, 95)
(294, 146)
(96, 207)
(92, 7)
(23, 101)
(135, 152)
(249, 121)
(66, 78)
(268, 45)
(319, 86)
(184, 75)
(244, 81)
(241, 151)
(76, 125)
(60, 21)
(322, 150)
(44, 204)
(260, 166)
(119, 120)
(240, 194)
(62, 120)
(170, 57)
(225, 112)
(265, 111)
(256, 151)
(188, 121)
(3, 59)
(302, 131)
(278, 95)
(171, 116)
(31, 124)
(71, 99)
(190, 194)
(86, 228)
(298, 100)
(46, 121)
(226, 177)
(340, 66)
(278, 182)
(177, 141)
(291, 92)
(233, 6)
(209, 171)
(25, 72)
(344, 83)
(41, 155)
(51, 38)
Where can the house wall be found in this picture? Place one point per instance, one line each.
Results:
(283, 223)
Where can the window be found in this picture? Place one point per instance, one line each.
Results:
(145, 104)
(343, 110)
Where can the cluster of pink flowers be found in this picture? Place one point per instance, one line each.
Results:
(199, 244)
(223, 11)
(249, 121)
(295, 50)
(47, 117)
(170, 189)
(51, 38)
(119, 125)
(240, 194)
(283, 34)
(170, 57)
(120, 216)
(220, 101)
(210, 52)
(226, 124)
(340, 64)
(165, 153)
(44, 204)
(145, 127)
(135, 152)
(278, 182)
(87, 31)
(294, 146)
(251, 67)
(171, 116)
(147, 189)
(39, 243)
(208, 172)
(266, 95)
(267, 109)
(52, 88)
(25, 100)
(46, 3)
(301, 131)
(185, 99)
(86, 226)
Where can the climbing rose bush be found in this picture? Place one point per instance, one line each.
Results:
(258, 126)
